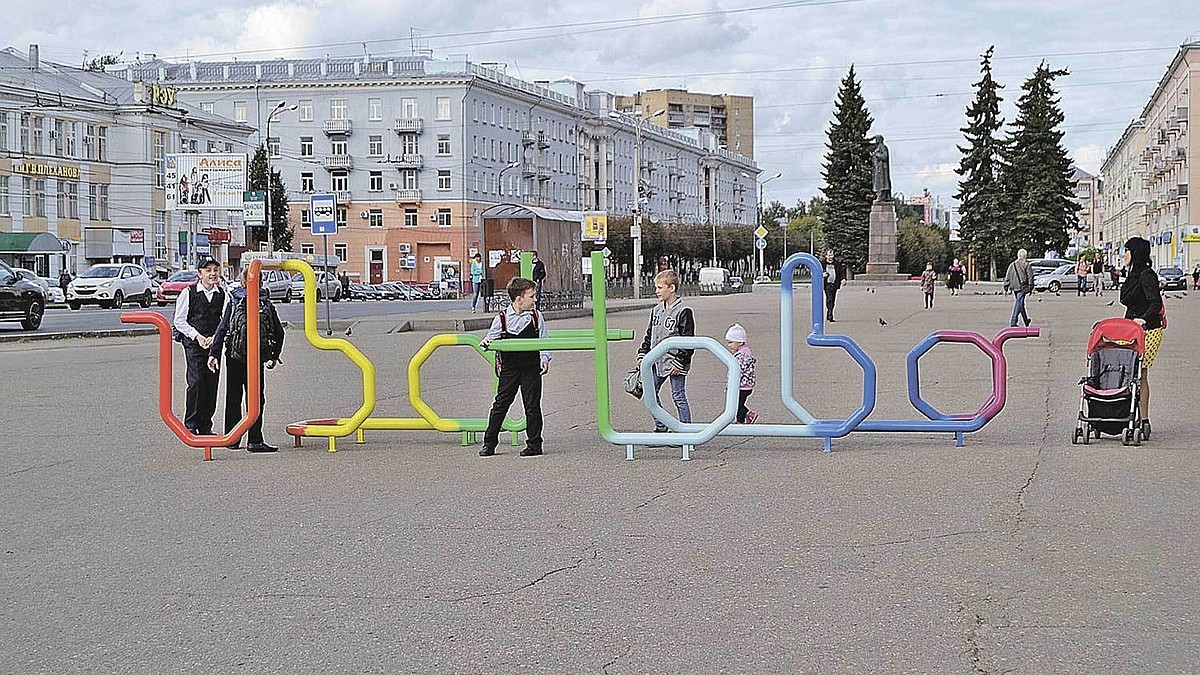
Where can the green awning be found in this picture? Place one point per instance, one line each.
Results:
(29, 243)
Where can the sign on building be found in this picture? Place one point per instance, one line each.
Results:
(206, 182)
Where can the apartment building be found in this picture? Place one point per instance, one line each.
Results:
(1088, 192)
(1123, 197)
(727, 117)
(1155, 161)
(82, 158)
(415, 149)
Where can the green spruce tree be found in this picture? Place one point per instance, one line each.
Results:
(847, 173)
(980, 194)
(281, 230)
(1037, 171)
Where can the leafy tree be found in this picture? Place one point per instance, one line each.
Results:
(1037, 170)
(982, 210)
(848, 175)
(281, 230)
(98, 64)
(918, 244)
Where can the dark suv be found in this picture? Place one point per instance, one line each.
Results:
(20, 299)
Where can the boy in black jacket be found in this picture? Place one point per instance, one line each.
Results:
(518, 370)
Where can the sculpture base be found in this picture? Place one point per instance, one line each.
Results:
(882, 272)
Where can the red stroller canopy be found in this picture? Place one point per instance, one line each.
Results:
(1117, 333)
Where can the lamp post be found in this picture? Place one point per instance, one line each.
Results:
(500, 177)
(280, 107)
(759, 211)
(636, 233)
(712, 219)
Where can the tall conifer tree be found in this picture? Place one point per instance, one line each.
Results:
(980, 194)
(847, 172)
(281, 231)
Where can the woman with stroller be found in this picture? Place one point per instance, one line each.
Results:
(1143, 304)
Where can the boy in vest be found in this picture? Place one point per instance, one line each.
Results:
(198, 310)
(670, 318)
(231, 334)
(518, 370)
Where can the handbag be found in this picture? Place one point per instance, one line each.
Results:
(633, 382)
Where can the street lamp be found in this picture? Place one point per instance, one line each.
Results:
(637, 203)
(758, 199)
(500, 176)
(280, 107)
(715, 211)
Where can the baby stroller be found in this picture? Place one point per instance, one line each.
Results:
(1108, 400)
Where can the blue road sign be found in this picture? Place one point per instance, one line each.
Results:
(324, 214)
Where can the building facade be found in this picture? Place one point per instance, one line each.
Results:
(416, 148)
(727, 117)
(82, 157)
(1088, 190)
(1154, 168)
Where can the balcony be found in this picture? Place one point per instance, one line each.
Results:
(674, 170)
(339, 127)
(337, 162)
(408, 196)
(342, 196)
(535, 200)
(535, 138)
(540, 173)
(409, 125)
(409, 161)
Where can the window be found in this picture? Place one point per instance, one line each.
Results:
(305, 219)
(307, 249)
(160, 158)
(443, 144)
(24, 144)
(273, 146)
(3, 131)
(474, 146)
(89, 139)
(62, 198)
(375, 109)
(39, 197)
(443, 179)
(39, 133)
(101, 144)
(376, 181)
(410, 217)
(492, 115)
(160, 235)
(102, 200)
(409, 178)
(206, 106)
(58, 137)
(307, 184)
(72, 140)
(93, 199)
(306, 146)
(443, 218)
(337, 108)
(408, 108)
(375, 146)
(375, 218)
(341, 217)
(304, 109)
(239, 111)
(340, 181)
(410, 146)
(340, 251)
(4, 210)
(337, 147)
(443, 107)
(493, 144)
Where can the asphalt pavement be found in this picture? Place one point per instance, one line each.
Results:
(1020, 552)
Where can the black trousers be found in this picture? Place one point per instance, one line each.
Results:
(743, 394)
(201, 390)
(236, 384)
(830, 299)
(529, 381)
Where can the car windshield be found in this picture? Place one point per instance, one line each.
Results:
(1170, 271)
(183, 276)
(1063, 269)
(102, 273)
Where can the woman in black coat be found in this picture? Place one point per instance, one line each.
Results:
(1143, 302)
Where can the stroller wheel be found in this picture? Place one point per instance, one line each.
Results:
(1132, 437)
(1145, 430)
(1077, 437)
(1087, 435)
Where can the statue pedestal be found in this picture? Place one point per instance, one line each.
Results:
(881, 246)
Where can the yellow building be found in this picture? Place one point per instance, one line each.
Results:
(730, 119)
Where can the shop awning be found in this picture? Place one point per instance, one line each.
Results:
(29, 243)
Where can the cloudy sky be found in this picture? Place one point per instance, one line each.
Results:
(917, 59)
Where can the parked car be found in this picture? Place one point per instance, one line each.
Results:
(170, 289)
(363, 292)
(110, 285)
(402, 291)
(1046, 265)
(1060, 278)
(416, 292)
(1172, 279)
(736, 284)
(327, 286)
(54, 294)
(389, 292)
(277, 284)
(21, 299)
(29, 275)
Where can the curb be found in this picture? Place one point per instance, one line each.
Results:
(43, 337)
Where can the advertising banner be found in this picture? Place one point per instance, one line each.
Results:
(595, 226)
(206, 182)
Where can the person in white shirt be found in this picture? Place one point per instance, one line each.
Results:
(518, 371)
(198, 311)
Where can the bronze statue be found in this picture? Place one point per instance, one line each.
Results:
(882, 174)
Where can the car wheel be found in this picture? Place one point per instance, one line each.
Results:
(337, 296)
(118, 300)
(33, 317)
(147, 299)
(74, 305)
(1054, 286)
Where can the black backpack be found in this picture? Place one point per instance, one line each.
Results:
(269, 333)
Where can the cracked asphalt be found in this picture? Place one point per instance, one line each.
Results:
(122, 552)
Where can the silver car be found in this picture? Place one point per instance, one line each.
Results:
(328, 286)
(1063, 277)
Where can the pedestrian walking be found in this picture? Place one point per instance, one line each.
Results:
(232, 335)
(1143, 302)
(539, 277)
(670, 318)
(64, 279)
(198, 311)
(957, 277)
(518, 371)
(834, 275)
(1195, 279)
(477, 281)
(928, 281)
(1019, 280)
(1097, 278)
(735, 339)
(1082, 269)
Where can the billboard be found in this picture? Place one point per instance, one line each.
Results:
(206, 182)
(595, 226)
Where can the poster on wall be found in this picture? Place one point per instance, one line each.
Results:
(206, 182)
(448, 275)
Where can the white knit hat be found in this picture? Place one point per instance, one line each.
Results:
(735, 334)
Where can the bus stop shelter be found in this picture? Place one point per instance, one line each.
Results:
(509, 229)
(32, 250)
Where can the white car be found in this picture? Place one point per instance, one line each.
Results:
(54, 294)
(327, 286)
(110, 286)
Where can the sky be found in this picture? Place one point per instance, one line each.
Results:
(917, 60)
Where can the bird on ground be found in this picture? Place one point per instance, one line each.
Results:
(349, 332)
(882, 322)
(1110, 302)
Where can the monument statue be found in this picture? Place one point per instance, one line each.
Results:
(881, 173)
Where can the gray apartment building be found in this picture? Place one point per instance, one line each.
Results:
(82, 159)
(415, 149)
